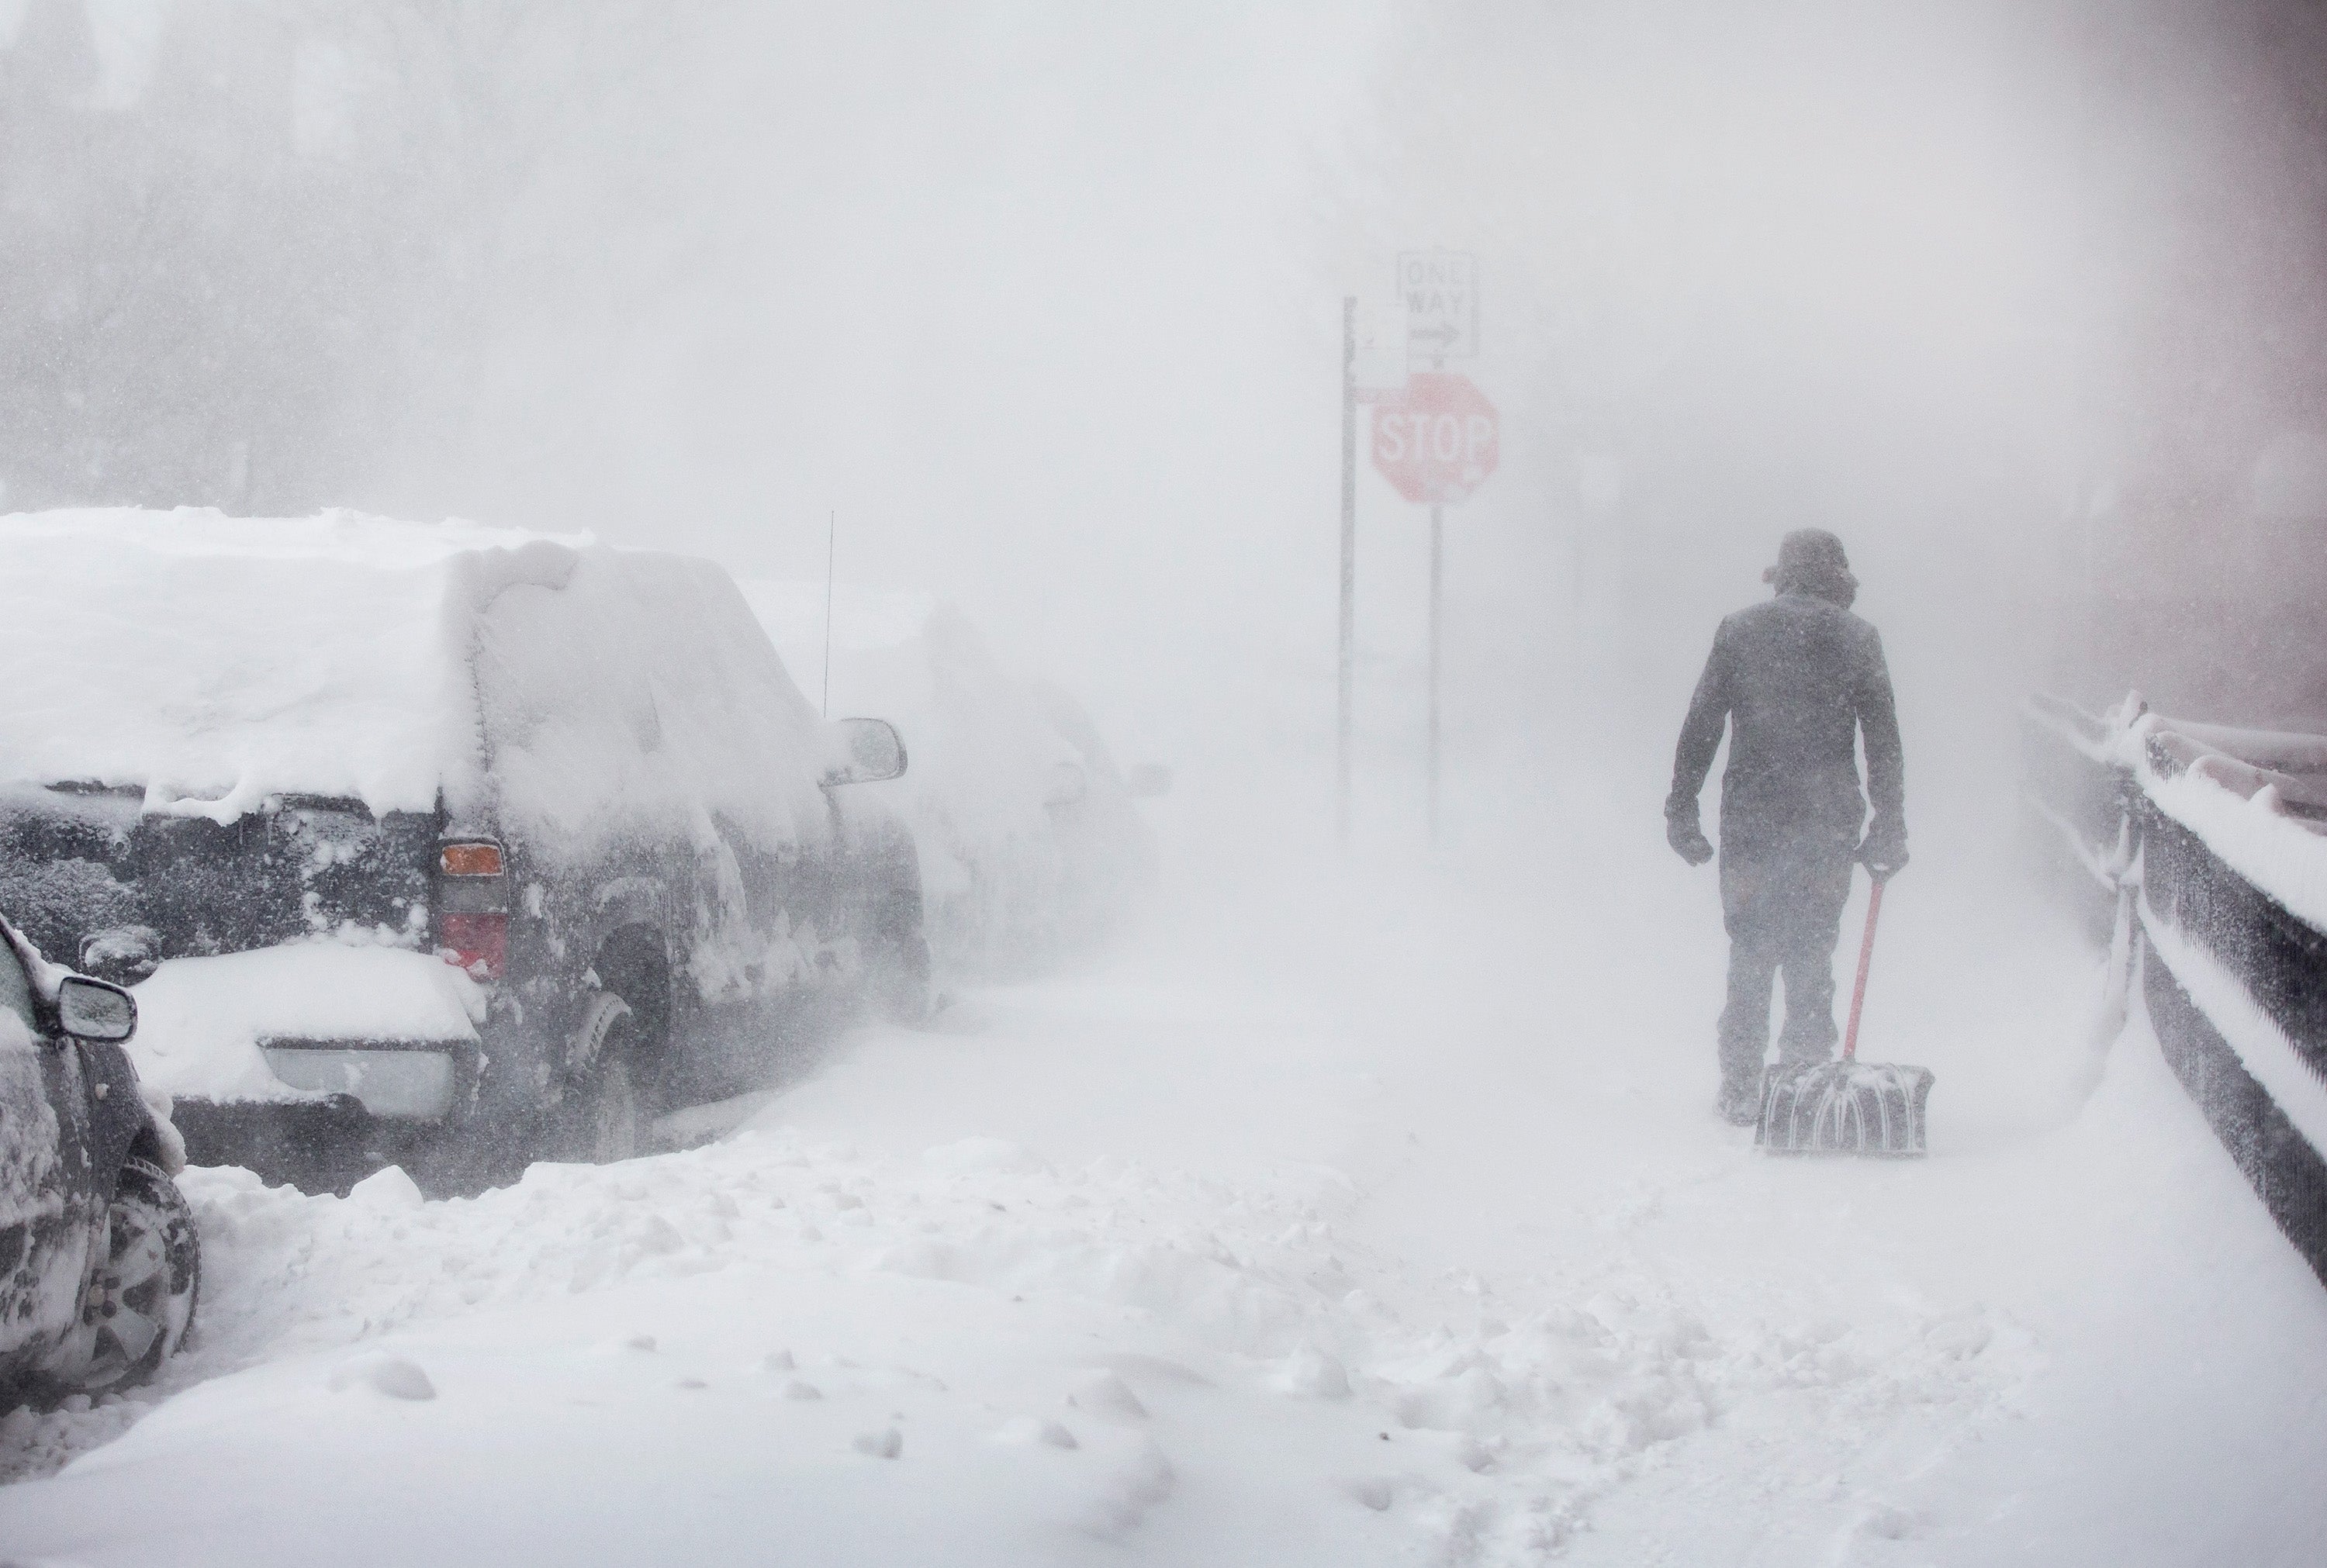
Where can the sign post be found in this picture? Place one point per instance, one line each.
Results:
(1348, 648)
(1436, 443)
(1441, 288)
(1437, 598)
(1435, 440)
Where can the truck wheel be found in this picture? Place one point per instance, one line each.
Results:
(901, 979)
(137, 1309)
(604, 1122)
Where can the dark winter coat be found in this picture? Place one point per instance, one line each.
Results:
(1797, 678)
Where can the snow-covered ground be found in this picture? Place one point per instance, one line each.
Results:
(1379, 1220)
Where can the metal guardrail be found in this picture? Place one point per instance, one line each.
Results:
(2170, 900)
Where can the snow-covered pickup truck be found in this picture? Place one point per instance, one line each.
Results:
(446, 845)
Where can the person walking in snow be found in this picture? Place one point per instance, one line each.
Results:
(1797, 679)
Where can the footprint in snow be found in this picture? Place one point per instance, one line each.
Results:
(1888, 1521)
(626, 1344)
(886, 1444)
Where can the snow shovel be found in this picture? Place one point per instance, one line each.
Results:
(1847, 1106)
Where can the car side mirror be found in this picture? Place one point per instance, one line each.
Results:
(94, 1010)
(1147, 781)
(874, 749)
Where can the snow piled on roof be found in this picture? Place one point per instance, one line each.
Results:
(211, 660)
(984, 761)
(556, 687)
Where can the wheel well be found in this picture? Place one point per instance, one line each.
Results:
(632, 965)
(896, 909)
(147, 1146)
(899, 923)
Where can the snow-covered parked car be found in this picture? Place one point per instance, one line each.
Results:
(1106, 846)
(98, 1262)
(1032, 849)
(442, 844)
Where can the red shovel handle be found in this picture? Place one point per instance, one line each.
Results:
(1865, 959)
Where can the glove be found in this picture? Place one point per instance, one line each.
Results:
(1884, 852)
(1687, 839)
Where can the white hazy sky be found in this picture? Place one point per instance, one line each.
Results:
(1043, 301)
(1040, 300)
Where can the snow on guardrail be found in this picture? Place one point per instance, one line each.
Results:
(2213, 841)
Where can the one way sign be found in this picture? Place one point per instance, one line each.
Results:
(1440, 290)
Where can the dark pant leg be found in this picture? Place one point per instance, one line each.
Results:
(1819, 887)
(1754, 955)
(1782, 902)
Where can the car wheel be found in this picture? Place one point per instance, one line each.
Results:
(604, 1121)
(140, 1303)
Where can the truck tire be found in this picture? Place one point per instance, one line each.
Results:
(140, 1302)
(603, 1120)
(898, 982)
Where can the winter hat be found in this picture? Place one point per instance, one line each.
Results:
(1811, 561)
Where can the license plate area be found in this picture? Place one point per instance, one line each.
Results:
(394, 1080)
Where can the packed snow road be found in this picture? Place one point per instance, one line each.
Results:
(1381, 1225)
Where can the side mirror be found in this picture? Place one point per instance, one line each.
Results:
(94, 1010)
(124, 955)
(1147, 781)
(875, 751)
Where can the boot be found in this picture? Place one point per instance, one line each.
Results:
(1740, 1101)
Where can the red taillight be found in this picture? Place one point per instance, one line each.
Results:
(470, 859)
(476, 943)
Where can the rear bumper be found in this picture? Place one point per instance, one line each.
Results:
(316, 1145)
(373, 1103)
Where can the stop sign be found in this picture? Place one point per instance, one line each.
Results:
(1438, 440)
